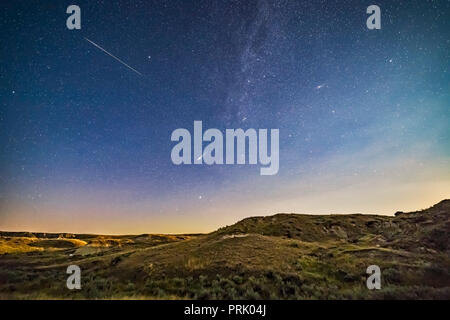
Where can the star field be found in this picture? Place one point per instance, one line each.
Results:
(85, 141)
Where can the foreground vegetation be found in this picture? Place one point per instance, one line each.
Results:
(286, 256)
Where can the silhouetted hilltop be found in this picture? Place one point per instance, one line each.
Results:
(428, 227)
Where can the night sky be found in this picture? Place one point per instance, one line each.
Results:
(85, 141)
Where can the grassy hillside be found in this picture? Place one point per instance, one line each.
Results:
(285, 256)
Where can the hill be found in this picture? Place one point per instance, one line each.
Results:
(285, 256)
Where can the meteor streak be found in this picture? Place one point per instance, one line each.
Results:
(110, 54)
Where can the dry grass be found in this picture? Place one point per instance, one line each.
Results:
(280, 257)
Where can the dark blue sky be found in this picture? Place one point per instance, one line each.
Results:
(85, 141)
